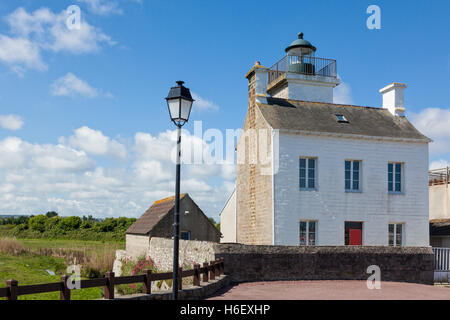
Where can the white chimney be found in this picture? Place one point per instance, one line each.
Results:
(393, 98)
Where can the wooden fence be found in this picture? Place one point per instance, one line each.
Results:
(209, 272)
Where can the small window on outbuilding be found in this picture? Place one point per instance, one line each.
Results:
(185, 235)
(341, 118)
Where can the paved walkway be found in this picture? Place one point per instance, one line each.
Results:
(330, 290)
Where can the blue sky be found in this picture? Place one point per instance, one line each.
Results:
(80, 114)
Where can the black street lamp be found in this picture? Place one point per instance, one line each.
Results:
(179, 102)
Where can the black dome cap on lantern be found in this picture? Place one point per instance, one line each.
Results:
(179, 91)
(300, 43)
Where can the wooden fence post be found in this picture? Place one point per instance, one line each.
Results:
(217, 268)
(219, 265)
(180, 278)
(212, 272)
(222, 266)
(148, 282)
(65, 291)
(12, 289)
(196, 275)
(205, 274)
(109, 289)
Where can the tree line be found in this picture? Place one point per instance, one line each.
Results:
(51, 225)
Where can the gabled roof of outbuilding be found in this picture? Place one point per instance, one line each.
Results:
(153, 215)
(158, 210)
(317, 117)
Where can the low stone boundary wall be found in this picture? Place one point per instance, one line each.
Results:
(258, 263)
(191, 251)
(190, 293)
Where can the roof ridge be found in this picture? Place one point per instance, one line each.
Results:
(168, 199)
(334, 104)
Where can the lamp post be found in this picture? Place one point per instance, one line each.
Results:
(179, 102)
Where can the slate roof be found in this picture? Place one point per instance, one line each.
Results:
(321, 118)
(153, 215)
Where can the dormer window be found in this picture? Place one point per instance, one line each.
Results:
(341, 118)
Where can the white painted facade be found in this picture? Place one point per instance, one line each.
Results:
(136, 245)
(439, 202)
(228, 220)
(393, 98)
(308, 88)
(330, 205)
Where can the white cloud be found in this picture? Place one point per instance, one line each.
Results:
(59, 157)
(96, 143)
(439, 164)
(44, 30)
(434, 123)
(11, 122)
(20, 53)
(62, 177)
(17, 153)
(203, 104)
(102, 7)
(71, 86)
(343, 94)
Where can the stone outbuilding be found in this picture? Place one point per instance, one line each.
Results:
(157, 221)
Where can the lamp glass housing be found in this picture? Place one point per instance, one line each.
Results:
(179, 103)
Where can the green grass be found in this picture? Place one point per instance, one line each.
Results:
(87, 246)
(5, 230)
(30, 269)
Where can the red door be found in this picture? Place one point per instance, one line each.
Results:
(355, 237)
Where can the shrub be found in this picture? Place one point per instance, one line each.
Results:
(111, 229)
(70, 223)
(52, 223)
(37, 223)
(86, 225)
(51, 214)
(133, 268)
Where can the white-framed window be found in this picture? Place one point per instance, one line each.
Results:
(352, 175)
(395, 176)
(308, 172)
(185, 235)
(396, 234)
(308, 232)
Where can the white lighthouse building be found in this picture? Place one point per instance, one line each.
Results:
(336, 174)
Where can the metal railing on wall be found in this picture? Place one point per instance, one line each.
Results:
(439, 176)
(441, 265)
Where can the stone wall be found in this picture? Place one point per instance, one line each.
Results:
(188, 293)
(264, 263)
(258, 263)
(254, 169)
(161, 251)
(136, 245)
